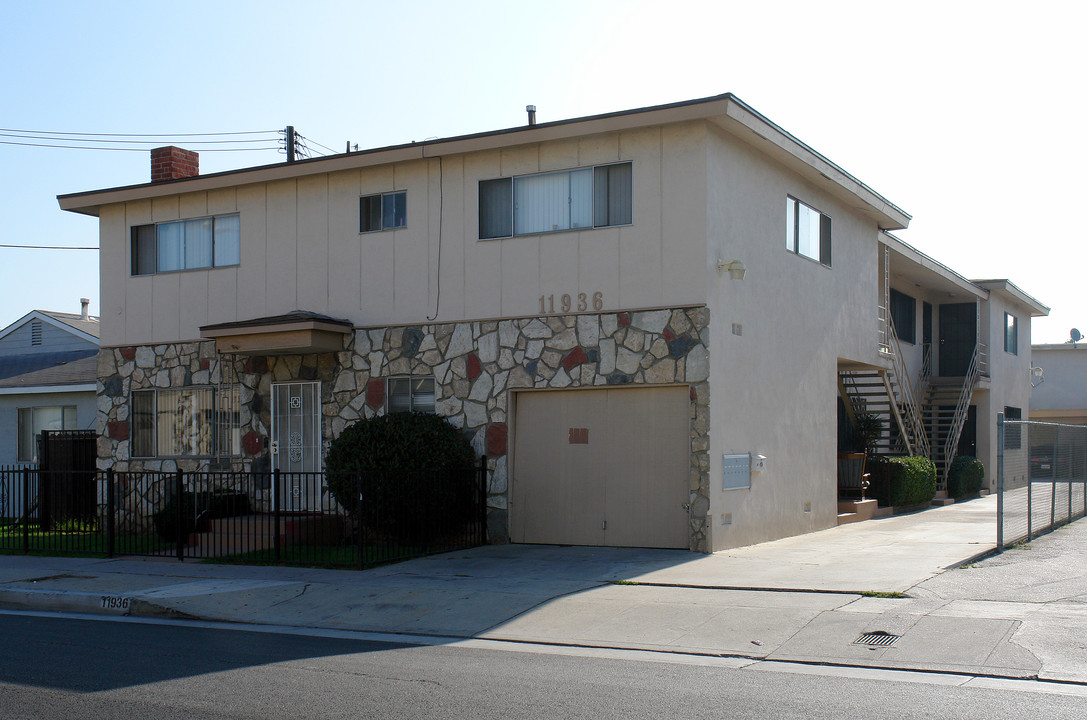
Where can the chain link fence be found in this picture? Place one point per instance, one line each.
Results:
(1041, 478)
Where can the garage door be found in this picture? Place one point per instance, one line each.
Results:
(601, 467)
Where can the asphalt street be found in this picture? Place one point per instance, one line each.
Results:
(62, 667)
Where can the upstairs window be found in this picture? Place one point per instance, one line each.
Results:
(1011, 334)
(807, 231)
(186, 245)
(904, 316)
(600, 196)
(383, 212)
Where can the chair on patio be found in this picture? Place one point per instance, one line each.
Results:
(852, 479)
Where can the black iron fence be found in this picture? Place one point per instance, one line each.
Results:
(1041, 478)
(359, 520)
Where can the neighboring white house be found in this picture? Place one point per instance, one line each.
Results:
(1061, 394)
(645, 319)
(48, 379)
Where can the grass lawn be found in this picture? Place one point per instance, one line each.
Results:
(78, 540)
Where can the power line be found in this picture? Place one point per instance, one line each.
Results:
(61, 138)
(48, 247)
(55, 132)
(125, 149)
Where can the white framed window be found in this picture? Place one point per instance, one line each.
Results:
(600, 196)
(807, 231)
(409, 394)
(33, 420)
(1011, 334)
(184, 422)
(386, 211)
(186, 245)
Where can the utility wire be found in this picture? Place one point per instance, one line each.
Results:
(48, 247)
(131, 142)
(54, 132)
(326, 147)
(125, 149)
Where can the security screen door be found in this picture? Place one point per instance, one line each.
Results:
(296, 444)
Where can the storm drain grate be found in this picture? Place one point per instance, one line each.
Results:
(877, 639)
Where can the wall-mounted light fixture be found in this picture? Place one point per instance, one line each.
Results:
(1037, 376)
(736, 269)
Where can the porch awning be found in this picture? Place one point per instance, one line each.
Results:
(296, 333)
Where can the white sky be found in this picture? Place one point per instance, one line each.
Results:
(965, 114)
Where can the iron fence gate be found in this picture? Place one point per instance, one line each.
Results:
(1041, 478)
(357, 520)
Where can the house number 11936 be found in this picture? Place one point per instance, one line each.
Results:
(566, 303)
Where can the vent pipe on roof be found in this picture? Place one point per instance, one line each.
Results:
(85, 314)
(531, 114)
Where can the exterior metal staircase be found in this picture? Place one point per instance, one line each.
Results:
(945, 408)
(888, 394)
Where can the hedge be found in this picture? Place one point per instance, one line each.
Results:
(409, 468)
(902, 481)
(965, 477)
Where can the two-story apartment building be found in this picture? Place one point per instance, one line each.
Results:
(643, 318)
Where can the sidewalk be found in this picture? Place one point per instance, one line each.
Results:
(1015, 615)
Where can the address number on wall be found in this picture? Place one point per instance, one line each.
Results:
(567, 302)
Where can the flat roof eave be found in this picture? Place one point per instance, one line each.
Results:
(725, 110)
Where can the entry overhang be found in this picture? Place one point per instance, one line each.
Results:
(297, 333)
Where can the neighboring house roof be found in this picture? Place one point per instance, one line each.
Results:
(89, 326)
(79, 371)
(726, 111)
(16, 366)
(69, 322)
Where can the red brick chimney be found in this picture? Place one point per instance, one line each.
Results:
(173, 163)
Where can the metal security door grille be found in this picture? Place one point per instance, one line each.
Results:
(296, 444)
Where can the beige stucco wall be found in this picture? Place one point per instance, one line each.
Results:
(774, 387)
(1009, 376)
(301, 249)
(1062, 396)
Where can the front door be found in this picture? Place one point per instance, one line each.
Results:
(958, 336)
(296, 445)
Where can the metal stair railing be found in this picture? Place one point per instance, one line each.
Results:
(961, 410)
(916, 434)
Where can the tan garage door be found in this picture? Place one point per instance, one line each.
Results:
(601, 467)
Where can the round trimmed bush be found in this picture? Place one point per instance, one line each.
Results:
(409, 469)
(964, 479)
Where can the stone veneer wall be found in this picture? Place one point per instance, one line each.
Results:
(474, 364)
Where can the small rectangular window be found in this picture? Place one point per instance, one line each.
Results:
(1011, 334)
(410, 394)
(807, 231)
(613, 194)
(383, 212)
(1013, 432)
(495, 208)
(32, 421)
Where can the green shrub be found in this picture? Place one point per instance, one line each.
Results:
(902, 481)
(965, 477)
(410, 469)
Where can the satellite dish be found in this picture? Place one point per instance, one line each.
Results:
(1076, 336)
